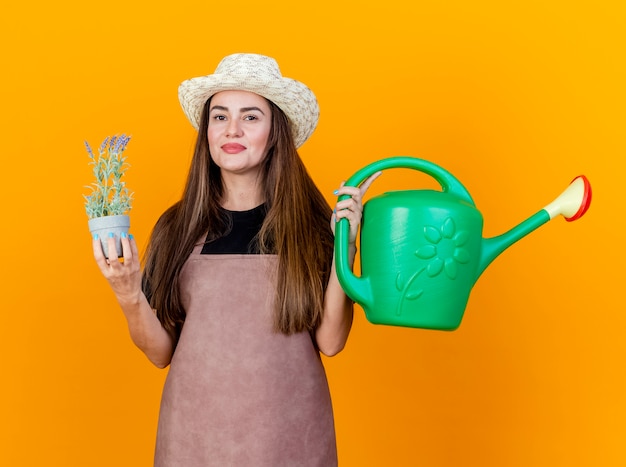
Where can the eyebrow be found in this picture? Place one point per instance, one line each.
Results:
(243, 109)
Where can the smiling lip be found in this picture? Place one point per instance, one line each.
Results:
(233, 148)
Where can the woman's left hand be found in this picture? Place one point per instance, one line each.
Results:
(352, 207)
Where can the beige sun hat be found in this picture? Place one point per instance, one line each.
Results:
(258, 74)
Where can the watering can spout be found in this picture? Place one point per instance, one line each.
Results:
(571, 204)
(494, 246)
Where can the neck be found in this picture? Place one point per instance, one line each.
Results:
(241, 195)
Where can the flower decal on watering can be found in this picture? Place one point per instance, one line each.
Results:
(435, 251)
(443, 252)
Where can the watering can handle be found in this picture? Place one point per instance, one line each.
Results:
(448, 182)
(358, 289)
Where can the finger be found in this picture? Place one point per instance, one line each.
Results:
(366, 184)
(349, 204)
(340, 214)
(98, 253)
(133, 246)
(112, 247)
(127, 252)
(350, 214)
(348, 190)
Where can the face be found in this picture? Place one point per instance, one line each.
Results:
(239, 127)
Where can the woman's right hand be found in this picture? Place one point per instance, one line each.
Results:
(124, 274)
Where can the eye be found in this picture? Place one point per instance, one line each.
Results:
(219, 117)
(250, 117)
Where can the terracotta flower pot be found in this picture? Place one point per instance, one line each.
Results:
(107, 225)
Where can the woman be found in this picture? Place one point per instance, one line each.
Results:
(239, 292)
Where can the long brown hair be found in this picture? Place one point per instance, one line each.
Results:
(296, 229)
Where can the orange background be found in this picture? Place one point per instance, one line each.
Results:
(514, 98)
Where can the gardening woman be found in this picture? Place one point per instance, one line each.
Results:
(238, 293)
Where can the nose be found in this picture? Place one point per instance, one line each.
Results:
(234, 128)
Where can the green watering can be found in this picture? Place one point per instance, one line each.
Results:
(422, 251)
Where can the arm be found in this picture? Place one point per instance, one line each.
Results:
(125, 281)
(332, 333)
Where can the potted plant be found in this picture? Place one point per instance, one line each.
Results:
(110, 201)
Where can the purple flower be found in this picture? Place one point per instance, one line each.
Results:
(103, 146)
(89, 151)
